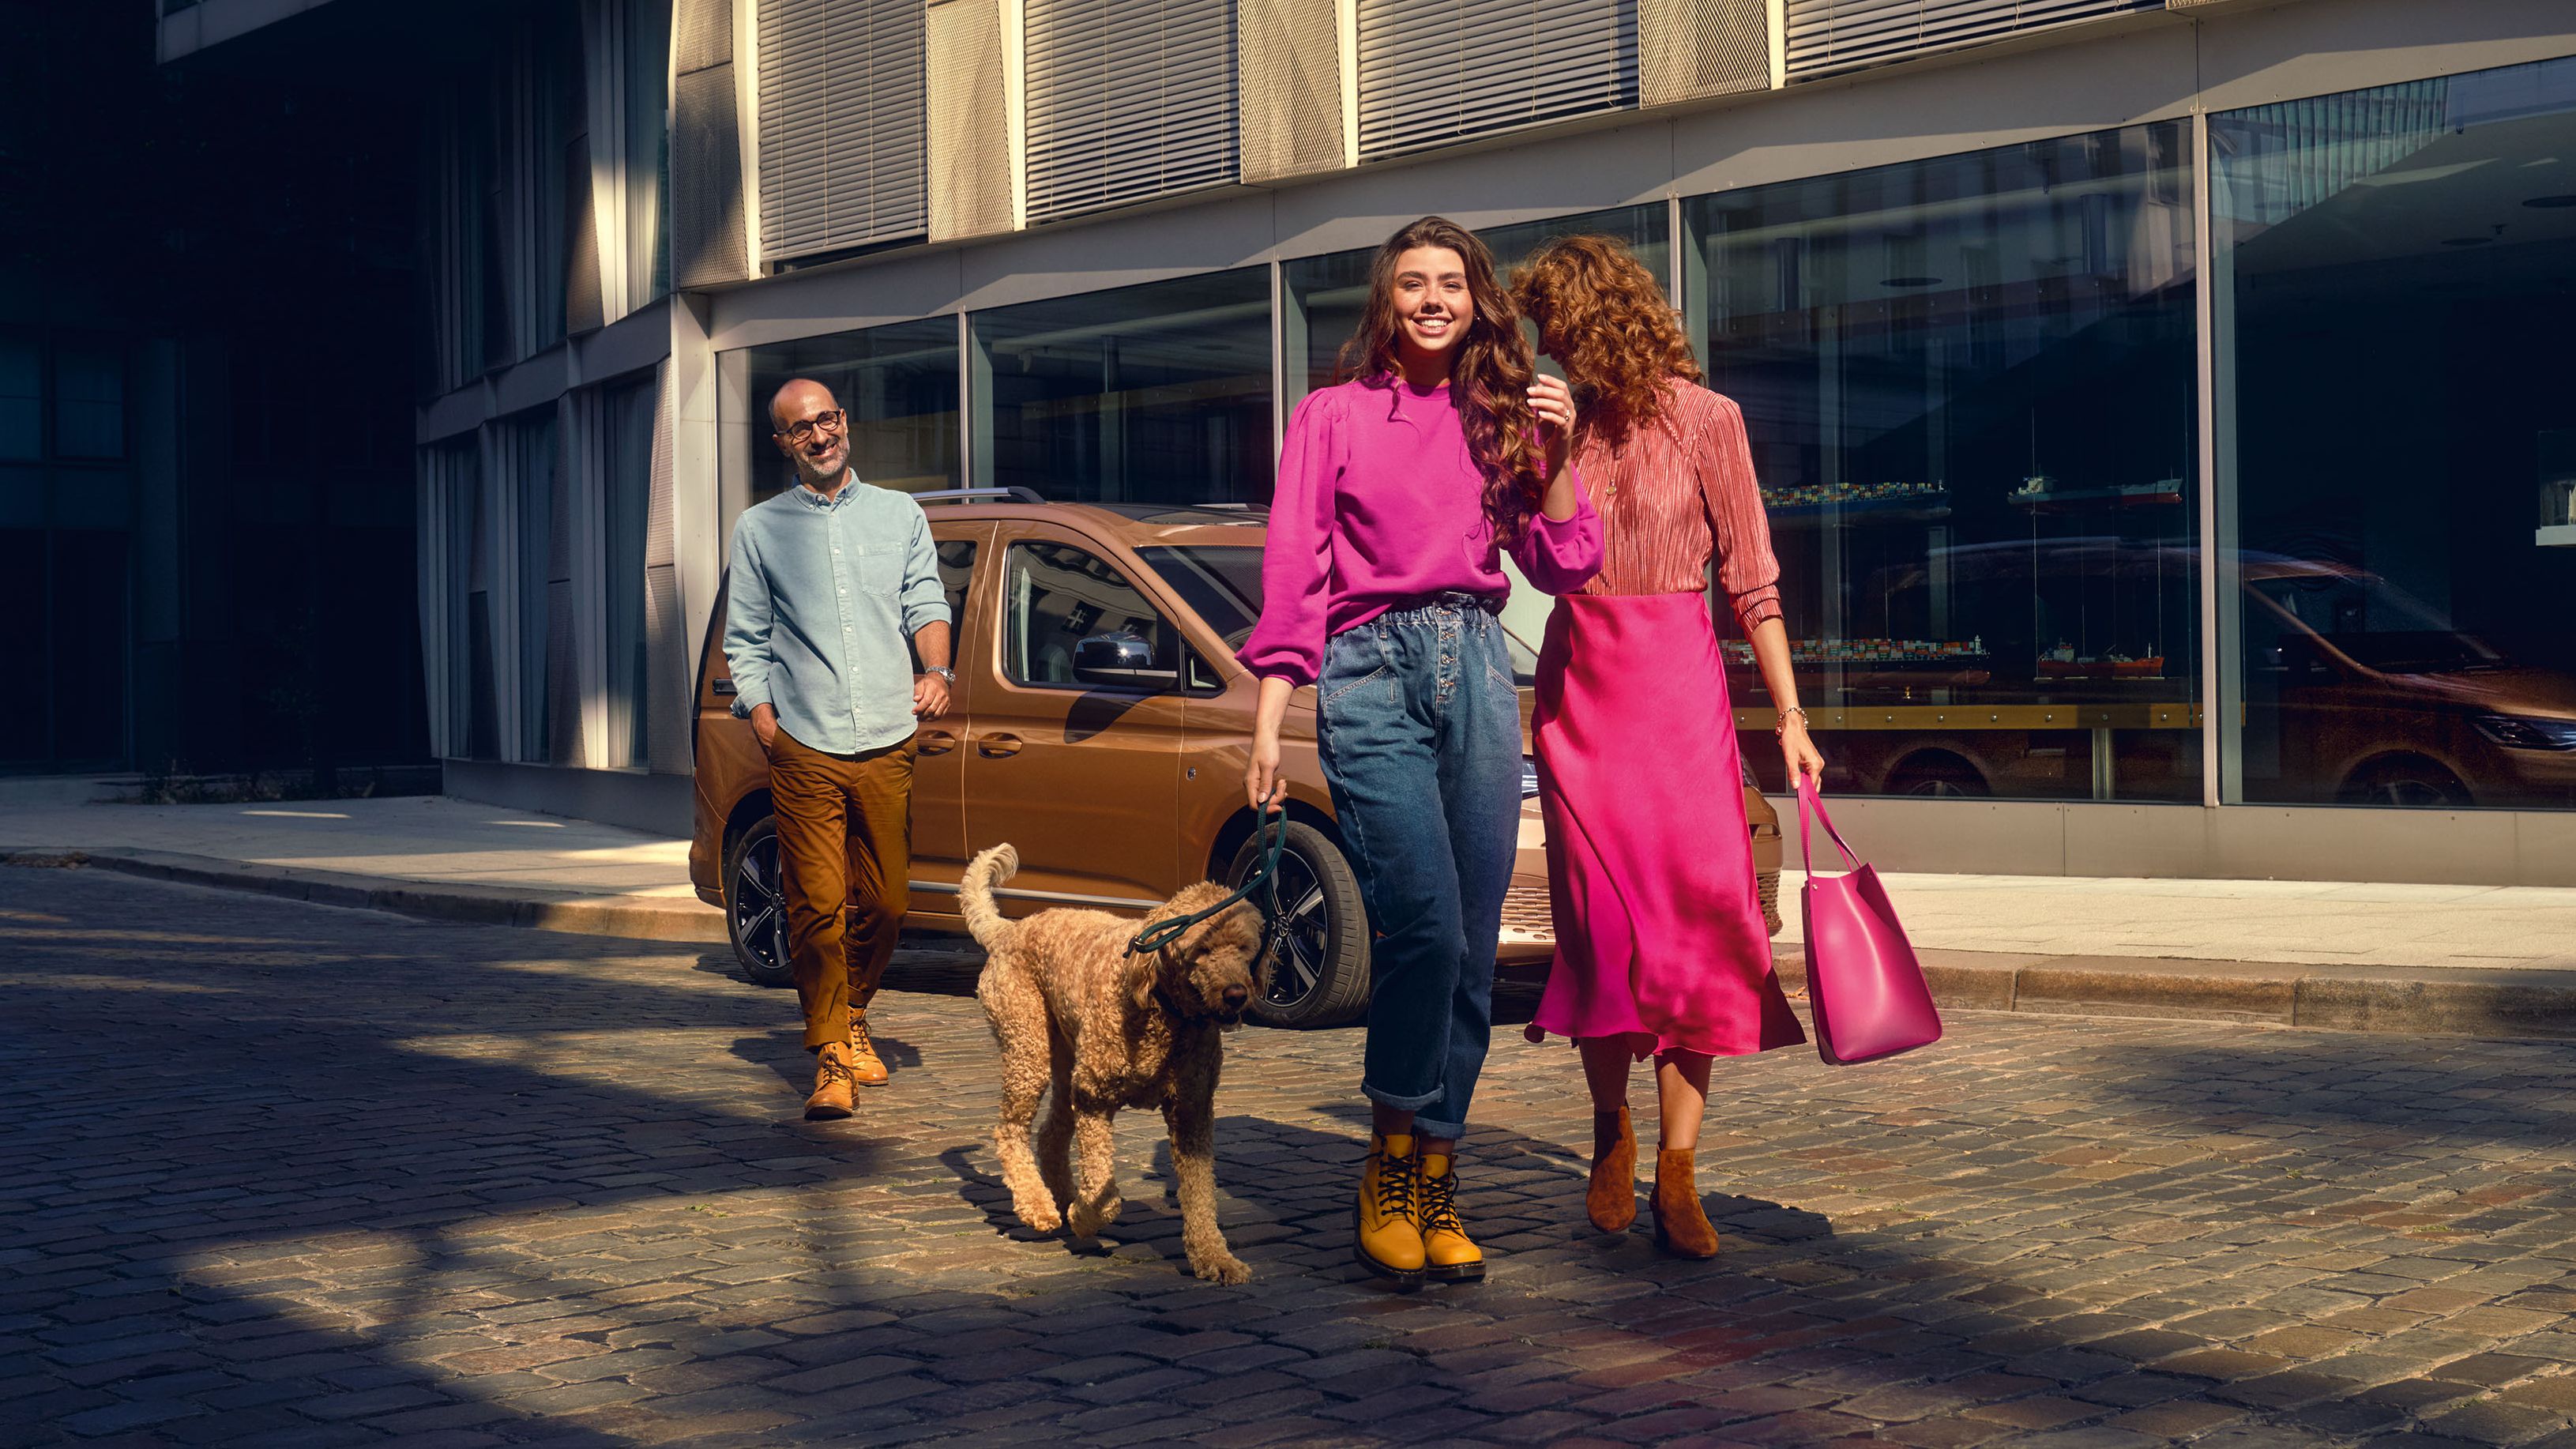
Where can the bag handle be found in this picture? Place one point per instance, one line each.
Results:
(1810, 799)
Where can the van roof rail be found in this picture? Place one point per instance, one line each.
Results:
(1014, 494)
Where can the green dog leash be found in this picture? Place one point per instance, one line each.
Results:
(1274, 839)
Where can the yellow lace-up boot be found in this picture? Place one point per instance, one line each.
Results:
(1386, 1235)
(1447, 1254)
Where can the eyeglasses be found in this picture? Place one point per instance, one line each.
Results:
(804, 429)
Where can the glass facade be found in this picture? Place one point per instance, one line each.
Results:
(898, 385)
(1151, 394)
(1972, 387)
(1324, 295)
(626, 474)
(1969, 388)
(2396, 277)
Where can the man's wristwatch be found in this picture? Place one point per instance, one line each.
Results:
(946, 675)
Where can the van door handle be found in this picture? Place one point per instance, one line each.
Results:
(724, 686)
(997, 747)
(934, 742)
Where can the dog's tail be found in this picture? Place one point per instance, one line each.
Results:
(975, 896)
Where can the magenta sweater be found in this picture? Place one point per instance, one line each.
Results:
(1380, 502)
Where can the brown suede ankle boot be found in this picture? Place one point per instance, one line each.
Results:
(1681, 1224)
(1610, 1198)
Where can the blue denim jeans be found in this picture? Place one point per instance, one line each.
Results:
(1419, 728)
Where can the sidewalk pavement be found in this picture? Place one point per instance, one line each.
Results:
(2453, 960)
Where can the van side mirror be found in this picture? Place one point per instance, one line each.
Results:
(1121, 660)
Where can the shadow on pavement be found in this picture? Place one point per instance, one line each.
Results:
(278, 1174)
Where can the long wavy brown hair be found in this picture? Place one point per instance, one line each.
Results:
(1489, 369)
(1607, 322)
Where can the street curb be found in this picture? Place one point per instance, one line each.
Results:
(2536, 1003)
(687, 921)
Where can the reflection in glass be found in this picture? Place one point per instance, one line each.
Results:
(1150, 394)
(1968, 384)
(628, 472)
(1325, 294)
(2395, 273)
(899, 386)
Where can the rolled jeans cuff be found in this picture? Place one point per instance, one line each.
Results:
(1422, 1126)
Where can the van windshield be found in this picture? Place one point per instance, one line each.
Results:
(1222, 583)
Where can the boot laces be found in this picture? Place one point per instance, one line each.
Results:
(1395, 1186)
(836, 1067)
(1440, 1205)
(861, 1044)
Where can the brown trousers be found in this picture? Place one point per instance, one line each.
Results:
(845, 863)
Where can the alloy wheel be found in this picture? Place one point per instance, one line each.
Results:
(1298, 935)
(760, 907)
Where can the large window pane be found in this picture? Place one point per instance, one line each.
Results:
(2396, 277)
(22, 397)
(647, 61)
(628, 483)
(1327, 293)
(899, 386)
(1969, 388)
(532, 467)
(89, 399)
(1151, 394)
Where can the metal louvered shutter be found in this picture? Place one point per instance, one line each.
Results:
(841, 125)
(1128, 99)
(1826, 36)
(1434, 71)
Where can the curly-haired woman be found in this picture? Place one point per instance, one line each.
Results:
(1398, 489)
(1661, 949)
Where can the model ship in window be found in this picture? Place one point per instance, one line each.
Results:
(2063, 662)
(1866, 651)
(2040, 491)
(1926, 500)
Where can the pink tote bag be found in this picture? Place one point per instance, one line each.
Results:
(1867, 990)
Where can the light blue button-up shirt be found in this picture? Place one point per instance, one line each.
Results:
(823, 594)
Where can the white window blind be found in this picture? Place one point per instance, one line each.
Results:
(1825, 36)
(841, 124)
(1432, 71)
(1128, 99)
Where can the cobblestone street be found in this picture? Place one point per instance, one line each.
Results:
(281, 1174)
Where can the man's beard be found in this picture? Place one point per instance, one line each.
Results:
(823, 473)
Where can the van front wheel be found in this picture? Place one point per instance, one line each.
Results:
(756, 906)
(1319, 945)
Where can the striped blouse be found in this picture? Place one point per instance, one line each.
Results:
(1678, 490)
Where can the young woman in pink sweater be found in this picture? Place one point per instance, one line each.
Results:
(1398, 490)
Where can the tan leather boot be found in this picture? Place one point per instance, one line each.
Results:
(1681, 1224)
(1385, 1234)
(1447, 1255)
(1610, 1198)
(831, 1083)
(866, 1068)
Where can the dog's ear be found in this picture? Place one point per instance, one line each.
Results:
(1144, 971)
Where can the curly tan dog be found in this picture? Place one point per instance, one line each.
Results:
(1074, 1012)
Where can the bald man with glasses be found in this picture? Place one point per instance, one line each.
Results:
(827, 580)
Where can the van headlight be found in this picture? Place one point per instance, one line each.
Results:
(2522, 732)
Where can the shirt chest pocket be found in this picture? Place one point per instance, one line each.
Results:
(880, 569)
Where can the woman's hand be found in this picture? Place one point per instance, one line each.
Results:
(1552, 403)
(1798, 752)
(1261, 783)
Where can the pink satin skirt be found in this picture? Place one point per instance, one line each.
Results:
(1659, 933)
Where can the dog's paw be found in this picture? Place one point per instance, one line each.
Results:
(1038, 1216)
(1088, 1219)
(1220, 1268)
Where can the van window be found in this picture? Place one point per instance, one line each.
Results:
(1054, 597)
(956, 571)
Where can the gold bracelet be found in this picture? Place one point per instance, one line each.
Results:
(1782, 727)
